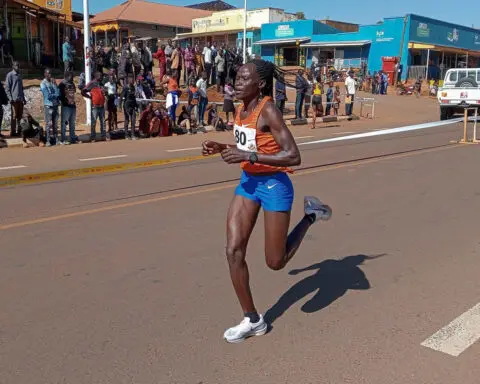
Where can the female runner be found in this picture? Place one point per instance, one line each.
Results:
(265, 148)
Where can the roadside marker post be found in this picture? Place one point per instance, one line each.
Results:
(465, 127)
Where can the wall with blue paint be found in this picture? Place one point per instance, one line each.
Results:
(295, 29)
(429, 31)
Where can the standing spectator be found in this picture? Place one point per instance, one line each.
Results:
(69, 107)
(168, 54)
(301, 86)
(202, 88)
(308, 93)
(385, 82)
(112, 59)
(92, 60)
(172, 95)
(198, 59)
(220, 70)
(337, 100)
(136, 60)
(3, 101)
(162, 61)
(147, 59)
(68, 55)
(94, 91)
(280, 93)
(124, 66)
(350, 86)
(228, 106)
(214, 67)
(193, 98)
(140, 94)
(176, 62)
(16, 96)
(208, 61)
(330, 92)
(129, 104)
(51, 101)
(189, 56)
(112, 101)
(101, 58)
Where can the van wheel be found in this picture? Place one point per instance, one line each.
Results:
(445, 114)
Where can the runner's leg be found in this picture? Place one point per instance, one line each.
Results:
(280, 247)
(242, 217)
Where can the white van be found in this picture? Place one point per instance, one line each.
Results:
(462, 78)
(461, 89)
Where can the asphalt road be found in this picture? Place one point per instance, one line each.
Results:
(122, 278)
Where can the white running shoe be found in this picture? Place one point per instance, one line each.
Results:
(245, 329)
(315, 206)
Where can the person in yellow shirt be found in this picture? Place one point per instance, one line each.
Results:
(317, 100)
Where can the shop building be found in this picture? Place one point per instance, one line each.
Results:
(419, 46)
(226, 27)
(36, 30)
(143, 19)
(283, 43)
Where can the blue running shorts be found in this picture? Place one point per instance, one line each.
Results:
(273, 192)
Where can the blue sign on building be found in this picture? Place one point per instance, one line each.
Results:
(422, 46)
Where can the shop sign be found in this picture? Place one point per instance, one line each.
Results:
(453, 36)
(381, 37)
(284, 31)
(422, 30)
(55, 4)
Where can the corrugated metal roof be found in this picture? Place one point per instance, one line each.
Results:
(150, 13)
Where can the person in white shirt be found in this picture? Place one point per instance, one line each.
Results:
(202, 104)
(350, 85)
(208, 61)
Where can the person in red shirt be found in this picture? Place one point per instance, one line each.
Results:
(162, 60)
(95, 92)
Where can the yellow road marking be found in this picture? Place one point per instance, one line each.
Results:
(89, 171)
(219, 188)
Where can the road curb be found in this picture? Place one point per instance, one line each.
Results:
(10, 181)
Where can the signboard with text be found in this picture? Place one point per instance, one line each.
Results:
(284, 31)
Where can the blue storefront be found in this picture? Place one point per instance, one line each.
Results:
(281, 42)
(422, 46)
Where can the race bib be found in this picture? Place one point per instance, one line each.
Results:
(246, 138)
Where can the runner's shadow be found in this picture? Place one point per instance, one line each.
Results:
(332, 279)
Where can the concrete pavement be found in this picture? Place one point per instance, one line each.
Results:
(122, 278)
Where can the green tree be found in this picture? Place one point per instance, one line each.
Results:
(300, 16)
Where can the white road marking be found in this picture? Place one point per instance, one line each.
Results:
(303, 137)
(103, 158)
(342, 133)
(197, 148)
(12, 167)
(183, 149)
(387, 131)
(457, 336)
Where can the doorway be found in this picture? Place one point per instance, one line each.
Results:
(290, 56)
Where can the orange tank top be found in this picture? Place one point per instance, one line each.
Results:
(251, 139)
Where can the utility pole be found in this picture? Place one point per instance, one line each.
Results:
(86, 45)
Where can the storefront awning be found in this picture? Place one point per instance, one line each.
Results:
(282, 41)
(190, 35)
(333, 44)
(105, 27)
